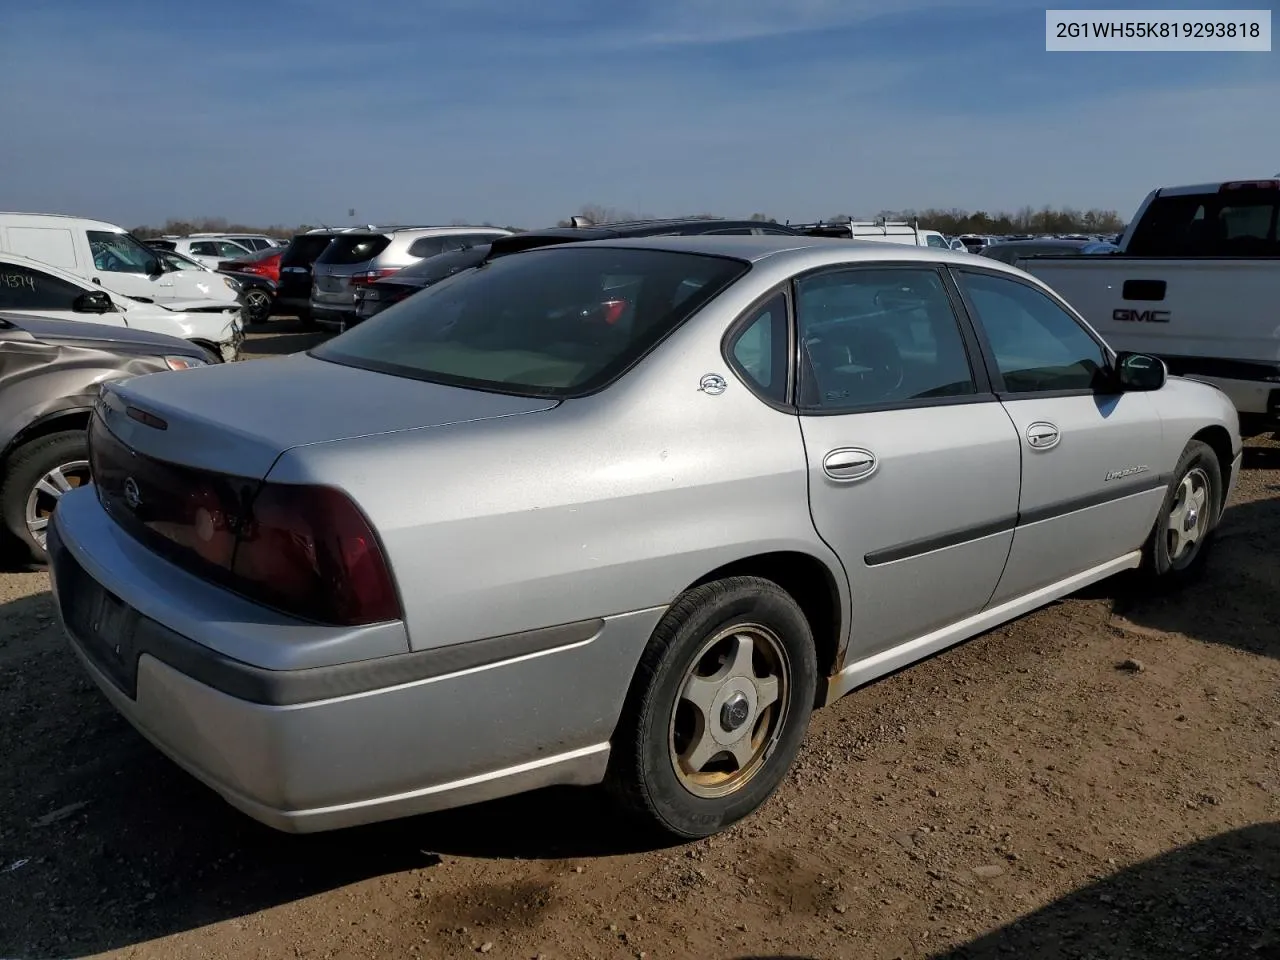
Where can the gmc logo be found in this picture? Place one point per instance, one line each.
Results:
(1124, 315)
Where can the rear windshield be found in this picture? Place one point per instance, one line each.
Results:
(437, 268)
(561, 321)
(305, 248)
(354, 248)
(1239, 223)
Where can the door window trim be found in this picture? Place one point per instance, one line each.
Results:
(978, 369)
(988, 352)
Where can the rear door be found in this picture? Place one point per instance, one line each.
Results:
(1092, 471)
(913, 462)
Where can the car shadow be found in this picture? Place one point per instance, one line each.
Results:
(105, 843)
(1233, 602)
(1216, 898)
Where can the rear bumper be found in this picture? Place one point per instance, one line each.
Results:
(332, 318)
(322, 747)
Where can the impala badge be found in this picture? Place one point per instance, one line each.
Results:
(1126, 472)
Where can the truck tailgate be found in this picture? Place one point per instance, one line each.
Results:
(1203, 308)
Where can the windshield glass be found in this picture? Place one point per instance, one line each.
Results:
(553, 322)
(121, 253)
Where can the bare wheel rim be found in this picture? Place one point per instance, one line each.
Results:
(730, 711)
(1188, 521)
(44, 496)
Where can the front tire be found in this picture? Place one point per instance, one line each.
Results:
(1179, 545)
(38, 473)
(717, 709)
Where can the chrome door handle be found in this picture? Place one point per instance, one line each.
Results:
(849, 463)
(1043, 435)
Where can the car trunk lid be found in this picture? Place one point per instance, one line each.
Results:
(237, 419)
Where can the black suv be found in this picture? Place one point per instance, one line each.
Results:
(377, 296)
(293, 292)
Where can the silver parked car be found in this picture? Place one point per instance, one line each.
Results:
(356, 259)
(620, 511)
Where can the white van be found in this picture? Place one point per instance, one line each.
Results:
(37, 289)
(107, 255)
(883, 231)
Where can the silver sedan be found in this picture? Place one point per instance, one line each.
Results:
(623, 511)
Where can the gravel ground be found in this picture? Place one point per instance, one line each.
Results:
(1022, 795)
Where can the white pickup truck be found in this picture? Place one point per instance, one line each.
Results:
(1196, 283)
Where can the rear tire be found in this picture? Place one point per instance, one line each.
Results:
(257, 306)
(56, 462)
(717, 709)
(1180, 543)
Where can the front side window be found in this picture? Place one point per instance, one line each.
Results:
(936, 241)
(1037, 345)
(120, 253)
(232, 251)
(873, 337)
(551, 322)
(22, 288)
(204, 248)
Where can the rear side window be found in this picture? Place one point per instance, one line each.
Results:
(349, 248)
(437, 268)
(427, 247)
(1240, 223)
(551, 322)
(22, 288)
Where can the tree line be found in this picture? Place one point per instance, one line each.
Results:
(950, 222)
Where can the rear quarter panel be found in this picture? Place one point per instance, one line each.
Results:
(600, 506)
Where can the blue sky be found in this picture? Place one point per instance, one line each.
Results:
(520, 111)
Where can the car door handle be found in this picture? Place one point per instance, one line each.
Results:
(849, 463)
(1043, 435)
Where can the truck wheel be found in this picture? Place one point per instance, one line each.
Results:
(37, 475)
(717, 708)
(1177, 549)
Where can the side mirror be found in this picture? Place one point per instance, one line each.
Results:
(1137, 371)
(99, 301)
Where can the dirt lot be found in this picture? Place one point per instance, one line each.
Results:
(1018, 796)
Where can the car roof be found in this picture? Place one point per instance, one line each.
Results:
(761, 247)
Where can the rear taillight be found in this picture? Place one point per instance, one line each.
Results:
(310, 551)
(613, 310)
(367, 277)
(307, 551)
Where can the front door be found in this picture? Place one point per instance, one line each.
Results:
(913, 463)
(1091, 456)
(35, 293)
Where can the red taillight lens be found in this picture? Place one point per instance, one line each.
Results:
(310, 551)
(371, 276)
(613, 310)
